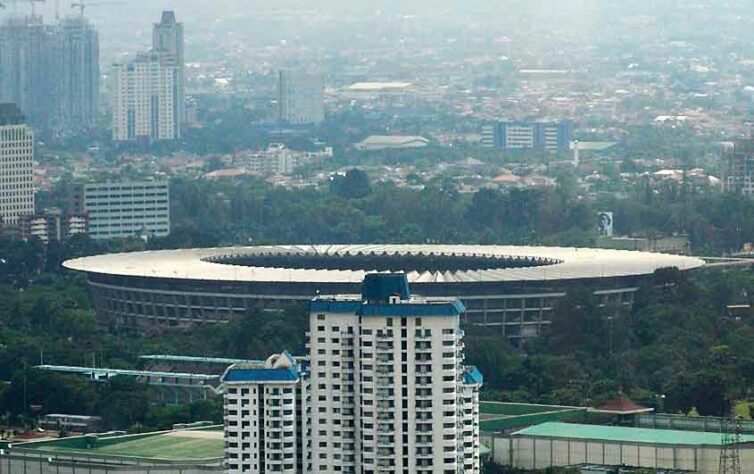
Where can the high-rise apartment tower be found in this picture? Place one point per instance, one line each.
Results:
(167, 41)
(388, 391)
(51, 72)
(300, 97)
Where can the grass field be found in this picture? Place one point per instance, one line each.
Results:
(167, 447)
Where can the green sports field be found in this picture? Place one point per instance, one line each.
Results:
(171, 447)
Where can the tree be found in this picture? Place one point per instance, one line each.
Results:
(354, 184)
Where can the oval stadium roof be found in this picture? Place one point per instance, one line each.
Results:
(349, 263)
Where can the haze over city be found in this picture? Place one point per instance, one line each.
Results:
(371, 236)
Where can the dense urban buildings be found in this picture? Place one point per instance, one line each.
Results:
(51, 72)
(738, 167)
(507, 290)
(16, 165)
(387, 391)
(536, 135)
(301, 98)
(125, 209)
(149, 103)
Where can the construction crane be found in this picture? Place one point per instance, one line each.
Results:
(82, 5)
(33, 3)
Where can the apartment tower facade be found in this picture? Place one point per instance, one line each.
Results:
(388, 391)
(16, 165)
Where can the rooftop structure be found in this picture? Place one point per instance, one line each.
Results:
(382, 142)
(379, 86)
(626, 434)
(168, 452)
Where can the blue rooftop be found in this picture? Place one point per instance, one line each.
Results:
(261, 375)
(472, 376)
(406, 309)
(280, 369)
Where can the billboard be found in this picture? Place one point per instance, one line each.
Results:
(605, 223)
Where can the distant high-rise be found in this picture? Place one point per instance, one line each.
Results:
(51, 72)
(167, 41)
(79, 74)
(27, 69)
(149, 102)
(144, 106)
(300, 97)
(738, 167)
(16, 165)
(537, 135)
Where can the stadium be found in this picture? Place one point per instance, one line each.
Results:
(510, 290)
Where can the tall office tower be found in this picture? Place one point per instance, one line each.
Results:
(539, 135)
(28, 65)
(16, 165)
(51, 72)
(738, 167)
(266, 421)
(167, 41)
(301, 98)
(125, 209)
(79, 75)
(144, 105)
(389, 389)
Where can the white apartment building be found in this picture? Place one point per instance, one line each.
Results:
(301, 97)
(125, 209)
(16, 165)
(388, 388)
(277, 159)
(266, 418)
(144, 109)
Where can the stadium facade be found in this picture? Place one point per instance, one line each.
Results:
(510, 290)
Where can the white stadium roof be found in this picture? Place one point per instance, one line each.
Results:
(565, 263)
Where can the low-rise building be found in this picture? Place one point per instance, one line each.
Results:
(125, 209)
(53, 224)
(391, 142)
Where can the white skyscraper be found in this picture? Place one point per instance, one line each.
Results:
(144, 100)
(301, 97)
(389, 392)
(150, 93)
(16, 165)
(167, 41)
